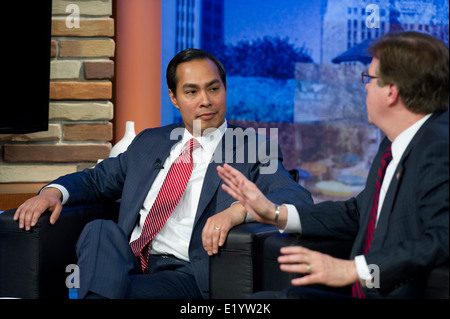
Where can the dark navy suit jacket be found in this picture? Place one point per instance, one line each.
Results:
(130, 176)
(412, 234)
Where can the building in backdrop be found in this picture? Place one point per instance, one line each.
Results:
(296, 65)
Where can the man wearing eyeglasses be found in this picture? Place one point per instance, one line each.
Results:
(400, 222)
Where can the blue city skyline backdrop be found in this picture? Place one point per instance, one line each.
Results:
(295, 65)
(254, 39)
(252, 19)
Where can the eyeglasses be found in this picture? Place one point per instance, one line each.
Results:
(365, 77)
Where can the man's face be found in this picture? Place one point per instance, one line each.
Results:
(375, 95)
(201, 94)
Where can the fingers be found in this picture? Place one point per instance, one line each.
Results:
(55, 214)
(297, 259)
(303, 268)
(248, 194)
(305, 280)
(213, 236)
(295, 255)
(216, 228)
(235, 194)
(289, 250)
(310, 275)
(300, 260)
(231, 176)
(237, 185)
(29, 212)
(318, 268)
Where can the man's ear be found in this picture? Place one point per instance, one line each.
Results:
(173, 98)
(393, 94)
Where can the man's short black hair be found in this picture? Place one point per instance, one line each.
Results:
(190, 55)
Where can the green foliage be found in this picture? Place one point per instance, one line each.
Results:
(267, 57)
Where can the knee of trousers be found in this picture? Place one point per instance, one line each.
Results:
(97, 224)
(98, 229)
(105, 259)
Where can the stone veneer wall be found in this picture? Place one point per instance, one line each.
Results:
(80, 112)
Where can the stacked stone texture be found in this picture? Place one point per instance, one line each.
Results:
(80, 107)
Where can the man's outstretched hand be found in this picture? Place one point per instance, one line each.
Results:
(248, 194)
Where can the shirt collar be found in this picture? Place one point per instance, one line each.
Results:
(210, 140)
(402, 141)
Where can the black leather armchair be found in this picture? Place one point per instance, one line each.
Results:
(247, 263)
(33, 264)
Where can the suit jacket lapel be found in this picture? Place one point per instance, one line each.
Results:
(366, 199)
(386, 210)
(212, 179)
(391, 195)
(159, 148)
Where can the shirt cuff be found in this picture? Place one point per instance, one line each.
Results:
(362, 269)
(62, 189)
(249, 219)
(293, 224)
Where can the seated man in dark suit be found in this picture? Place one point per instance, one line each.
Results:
(173, 212)
(399, 223)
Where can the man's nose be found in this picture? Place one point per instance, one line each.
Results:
(205, 101)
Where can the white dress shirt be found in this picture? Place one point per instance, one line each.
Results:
(175, 236)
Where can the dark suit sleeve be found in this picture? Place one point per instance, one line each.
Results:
(342, 219)
(331, 219)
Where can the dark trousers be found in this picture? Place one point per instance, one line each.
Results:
(109, 269)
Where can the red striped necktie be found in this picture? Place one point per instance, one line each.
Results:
(357, 290)
(167, 199)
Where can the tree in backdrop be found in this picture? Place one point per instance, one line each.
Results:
(270, 57)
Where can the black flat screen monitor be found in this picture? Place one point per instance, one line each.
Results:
(25, 65)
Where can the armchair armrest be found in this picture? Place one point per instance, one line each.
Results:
(276, 280)
(33, 263)
(234, 271)
(247, 263)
